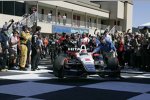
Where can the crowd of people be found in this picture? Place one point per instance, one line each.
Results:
(25, 47)
(16, 48)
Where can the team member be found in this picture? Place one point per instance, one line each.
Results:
(105, 47)
(29, 49)
(24, 37)
(36, 49)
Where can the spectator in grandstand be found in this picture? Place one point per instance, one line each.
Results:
(49, 16)
(64, 17)
(59, 17)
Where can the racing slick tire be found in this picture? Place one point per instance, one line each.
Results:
(113, 64)
(101, 75)
(58, 66)
(115, 75)
(112, 68)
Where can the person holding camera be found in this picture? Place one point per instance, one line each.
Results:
(5, 45)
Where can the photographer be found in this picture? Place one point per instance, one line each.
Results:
(5, 45)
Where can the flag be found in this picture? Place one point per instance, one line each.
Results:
(113, 30)
(107, 28)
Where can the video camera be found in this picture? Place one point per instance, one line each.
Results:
(11, 20)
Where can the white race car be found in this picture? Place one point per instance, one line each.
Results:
(82, 63)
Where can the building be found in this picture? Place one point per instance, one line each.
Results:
(71, 16)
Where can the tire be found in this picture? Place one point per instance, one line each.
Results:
(102, 75)
(58, 66)
(112, 63)
(115, 75)
(61, 73)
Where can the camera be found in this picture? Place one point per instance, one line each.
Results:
(11, 20)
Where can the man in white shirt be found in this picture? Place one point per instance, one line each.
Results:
(64, 19)
(49, 17)
(13, 49)
(107, 36)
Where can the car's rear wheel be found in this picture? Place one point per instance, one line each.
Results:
(102, 75)
(115, 74)
(58, 66)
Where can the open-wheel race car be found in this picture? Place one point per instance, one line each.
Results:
(80, 63)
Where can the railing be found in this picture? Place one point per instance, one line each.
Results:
(103, 27)
(29, 20)
(45, 18)
(69, 22)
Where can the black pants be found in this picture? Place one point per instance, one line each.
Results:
(127, 57)
(138, 61)
(120, 57)
(35, 58)
(5, 59)
(1, 60)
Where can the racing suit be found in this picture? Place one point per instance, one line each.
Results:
(24, 38)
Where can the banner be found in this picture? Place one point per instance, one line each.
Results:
(60, 29)
(79, 30)
(69, 30)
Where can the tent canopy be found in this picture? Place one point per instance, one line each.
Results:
(144, 25)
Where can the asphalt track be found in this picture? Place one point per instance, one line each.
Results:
(43, 85)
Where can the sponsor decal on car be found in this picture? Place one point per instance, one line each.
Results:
(87, 59)
(73, 49)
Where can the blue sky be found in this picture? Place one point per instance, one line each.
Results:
(141, 12)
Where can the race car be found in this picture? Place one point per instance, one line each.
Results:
(80, 63)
